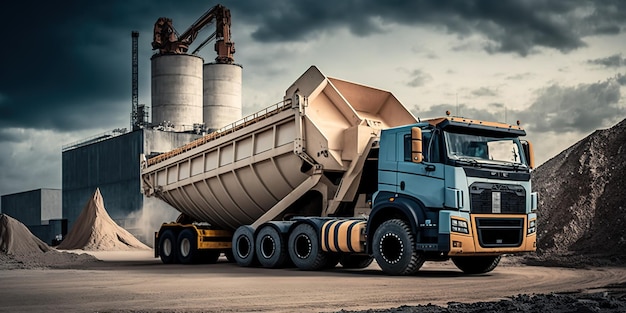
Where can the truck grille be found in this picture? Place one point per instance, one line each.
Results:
(497, 198)
(500, 232)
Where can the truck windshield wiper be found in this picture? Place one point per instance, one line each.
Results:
(471, 161)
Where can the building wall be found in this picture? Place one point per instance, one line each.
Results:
(40, 210)
(51, 204)
(24, 206)
(113, 166)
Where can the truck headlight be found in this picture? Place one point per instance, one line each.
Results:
(532, 226)
(459, 226)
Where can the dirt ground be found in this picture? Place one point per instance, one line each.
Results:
(133, 281)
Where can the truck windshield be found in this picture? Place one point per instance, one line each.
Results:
(477, 148)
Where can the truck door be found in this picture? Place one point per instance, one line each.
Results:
(424, 181)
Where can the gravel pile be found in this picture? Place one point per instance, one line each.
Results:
(582, 212)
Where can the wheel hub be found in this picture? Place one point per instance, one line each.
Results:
(391, 248)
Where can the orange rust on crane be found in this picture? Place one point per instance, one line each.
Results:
(167, 40)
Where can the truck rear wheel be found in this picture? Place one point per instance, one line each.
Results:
(356, 261)
(270, 247)
(305, 249)
(394, 248)
(167, 244)
(188, 247)
(243, 246)
(476, 264)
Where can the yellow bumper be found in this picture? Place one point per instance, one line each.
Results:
(468, 244)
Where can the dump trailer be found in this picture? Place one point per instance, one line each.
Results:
(339, 172)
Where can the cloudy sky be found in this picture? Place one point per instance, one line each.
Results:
(558, 66)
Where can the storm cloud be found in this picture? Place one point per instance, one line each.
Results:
(67, 67)
(510, 26)
(581, 108)
(485, 92)
(418, 78)
(615, 60)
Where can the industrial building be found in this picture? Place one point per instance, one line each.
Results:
(188, 99)
(111, 162)
(40, 210)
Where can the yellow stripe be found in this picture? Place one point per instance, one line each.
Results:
(215, 233)
(343, 236)
(323, 238)
(214, 245)
(356, 237)
(331, 236)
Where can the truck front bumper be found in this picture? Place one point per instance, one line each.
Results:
(491, 234)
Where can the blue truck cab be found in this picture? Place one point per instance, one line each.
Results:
(452, 188)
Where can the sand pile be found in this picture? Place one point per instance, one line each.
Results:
(95, 230)
(581, 201)
(15, 238)
(19, 248)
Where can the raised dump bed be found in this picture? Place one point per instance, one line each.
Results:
(255, 168)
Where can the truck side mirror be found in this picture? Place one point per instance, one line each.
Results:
(529, 153)
(416, 145)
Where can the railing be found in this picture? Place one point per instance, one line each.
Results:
(230, 128)
(93, 139)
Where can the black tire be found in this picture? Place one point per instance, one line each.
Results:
(243, 246)
(270, 247)
(356, 261)
(394, 248)
(188, 247)
(476, 264)
(167, 247)
(305, 250)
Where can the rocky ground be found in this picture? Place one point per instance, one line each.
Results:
(49, 259)
(594, 302)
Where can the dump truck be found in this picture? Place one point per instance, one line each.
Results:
(340, 172)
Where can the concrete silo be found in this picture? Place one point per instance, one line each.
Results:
(177, 90)
(222, 94)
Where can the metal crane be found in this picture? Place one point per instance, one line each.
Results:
(167, 40)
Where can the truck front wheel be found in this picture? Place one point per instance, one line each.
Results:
(305, 250)
(476, 264)
(167, 244)
(394, 248)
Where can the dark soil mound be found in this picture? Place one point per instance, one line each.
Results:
(582, 212)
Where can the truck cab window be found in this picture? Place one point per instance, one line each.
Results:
(485, 148)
